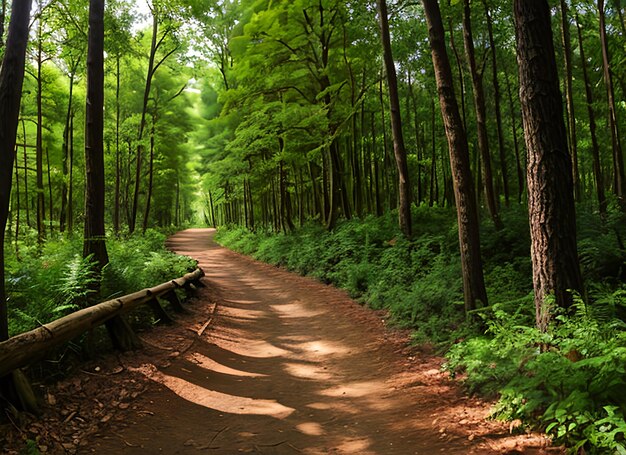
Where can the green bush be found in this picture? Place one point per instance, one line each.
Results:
(47, 282)
(568, 380)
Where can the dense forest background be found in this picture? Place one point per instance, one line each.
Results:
(399, 150)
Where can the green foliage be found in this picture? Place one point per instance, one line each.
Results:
(416, 281)
(569, 380)
(46, 285)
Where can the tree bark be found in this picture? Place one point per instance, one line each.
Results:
(11, 80)
(518, 160)
(404, 187)
(94, 233)
(41, 210)
(146, 216)
(618, 160)
(118, 164)
(551, 208)
(481, 116)
(469, 241)
(66, 151)
(496, 98)
(569, 98)
(595, 148)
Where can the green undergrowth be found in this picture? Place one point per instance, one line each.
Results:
(47, 282)
(569, 381)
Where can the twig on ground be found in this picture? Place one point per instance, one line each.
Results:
(207, 323)
(124, 440)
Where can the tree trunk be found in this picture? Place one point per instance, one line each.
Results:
(518, 161)
(569, 97)
(618, 160)
(146, 215)
(481, 116)
(11, 80)
(50, 207)
(142, 123)
(41, 210)
(469, 241)
(118, 170)
(66, 152)
(94, 234)
(550, 187)
(459, 68)
(70, 195)
(496, 96)
(595, 148)
(25, 150)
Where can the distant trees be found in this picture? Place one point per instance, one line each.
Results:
(297, 117)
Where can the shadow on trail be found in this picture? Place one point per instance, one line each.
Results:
(283, 369)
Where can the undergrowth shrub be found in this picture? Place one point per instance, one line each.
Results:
(47, 282)
(568, 380)
(415, 280)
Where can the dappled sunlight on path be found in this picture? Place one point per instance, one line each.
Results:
(287, 366)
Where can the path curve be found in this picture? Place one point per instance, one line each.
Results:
(289, 366)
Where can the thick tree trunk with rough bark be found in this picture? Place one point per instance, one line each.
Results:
(551, 208)
(469, 242)
(11, 80)
(94, 242)
(404, 188)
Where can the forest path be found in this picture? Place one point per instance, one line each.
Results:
(287, 366)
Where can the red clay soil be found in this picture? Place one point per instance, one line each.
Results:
(286, 366)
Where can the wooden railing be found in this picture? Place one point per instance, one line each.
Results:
(26, 348)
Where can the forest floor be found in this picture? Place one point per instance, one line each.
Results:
(285, 365)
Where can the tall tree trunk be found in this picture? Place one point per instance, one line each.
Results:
(66, 151)
(146, 215)
(469, 241)
(595, 148)
(496, 96)
(50, 208)
(94, 234)
(25, 150)
(118, 170)
(569, 98)
(142, 123)
(70, 194)
(518, 160)
(550, 187)
(481, 116)
(17, 195)
(404, 186)
(41, 210)
(11, 80)
(433, 156)
(459, 68)
(618, 160)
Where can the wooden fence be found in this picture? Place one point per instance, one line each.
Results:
(28, 347)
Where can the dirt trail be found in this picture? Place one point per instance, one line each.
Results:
(288, 366)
